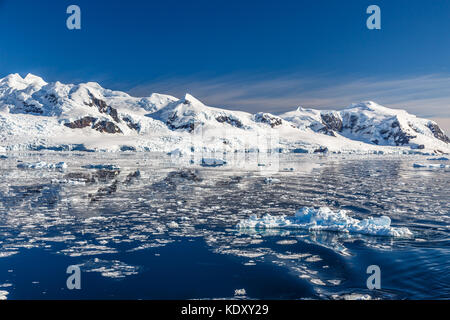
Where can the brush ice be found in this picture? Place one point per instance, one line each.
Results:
(102, 167)
(326, 219)
(42, 165)
(3, 294)
(430, 165)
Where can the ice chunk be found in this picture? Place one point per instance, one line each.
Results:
(42, 165)
(269, 180)
(326, 219)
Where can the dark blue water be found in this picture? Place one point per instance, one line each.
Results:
(153, 229)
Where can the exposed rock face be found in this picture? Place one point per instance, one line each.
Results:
(52, 98)
(332, 121)
(321, 150)
(188, 174)
(437, 132)
(101, 126)
(231, 121)
(400, 136)
(268, 118)
(132, 125)
(103, 107)
(81, 123)
(107, 126)
(172, 123)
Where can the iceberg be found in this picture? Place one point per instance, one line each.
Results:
(326, 219)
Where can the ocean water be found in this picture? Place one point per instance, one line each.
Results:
(150, 227)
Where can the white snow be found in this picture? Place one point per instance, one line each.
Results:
(240, 292)
(3, 294)
(326, 219)
(208, 162)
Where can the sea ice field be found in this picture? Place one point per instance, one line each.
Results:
(143, 225)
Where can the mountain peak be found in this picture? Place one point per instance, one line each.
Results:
(190, 99)
(31, 78)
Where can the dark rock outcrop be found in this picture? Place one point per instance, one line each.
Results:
(103, 107)
(102, 126)
(132, 125)
(81, 123)
(437, 132)
(332, 122)
(106, 126)
(268, 119)
(231, 121)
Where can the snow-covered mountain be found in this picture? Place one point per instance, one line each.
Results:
(36, 115)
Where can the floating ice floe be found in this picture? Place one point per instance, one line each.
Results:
(240, 292)
(101, 166)
(326, 219)
(269, 180)
(430, 165)
(111, 269)
(3, 294)
(210, 162)
(42, 165)
(352, 296)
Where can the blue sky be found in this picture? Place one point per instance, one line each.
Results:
(253, 55)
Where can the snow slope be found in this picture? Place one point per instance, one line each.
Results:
(36, 115)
